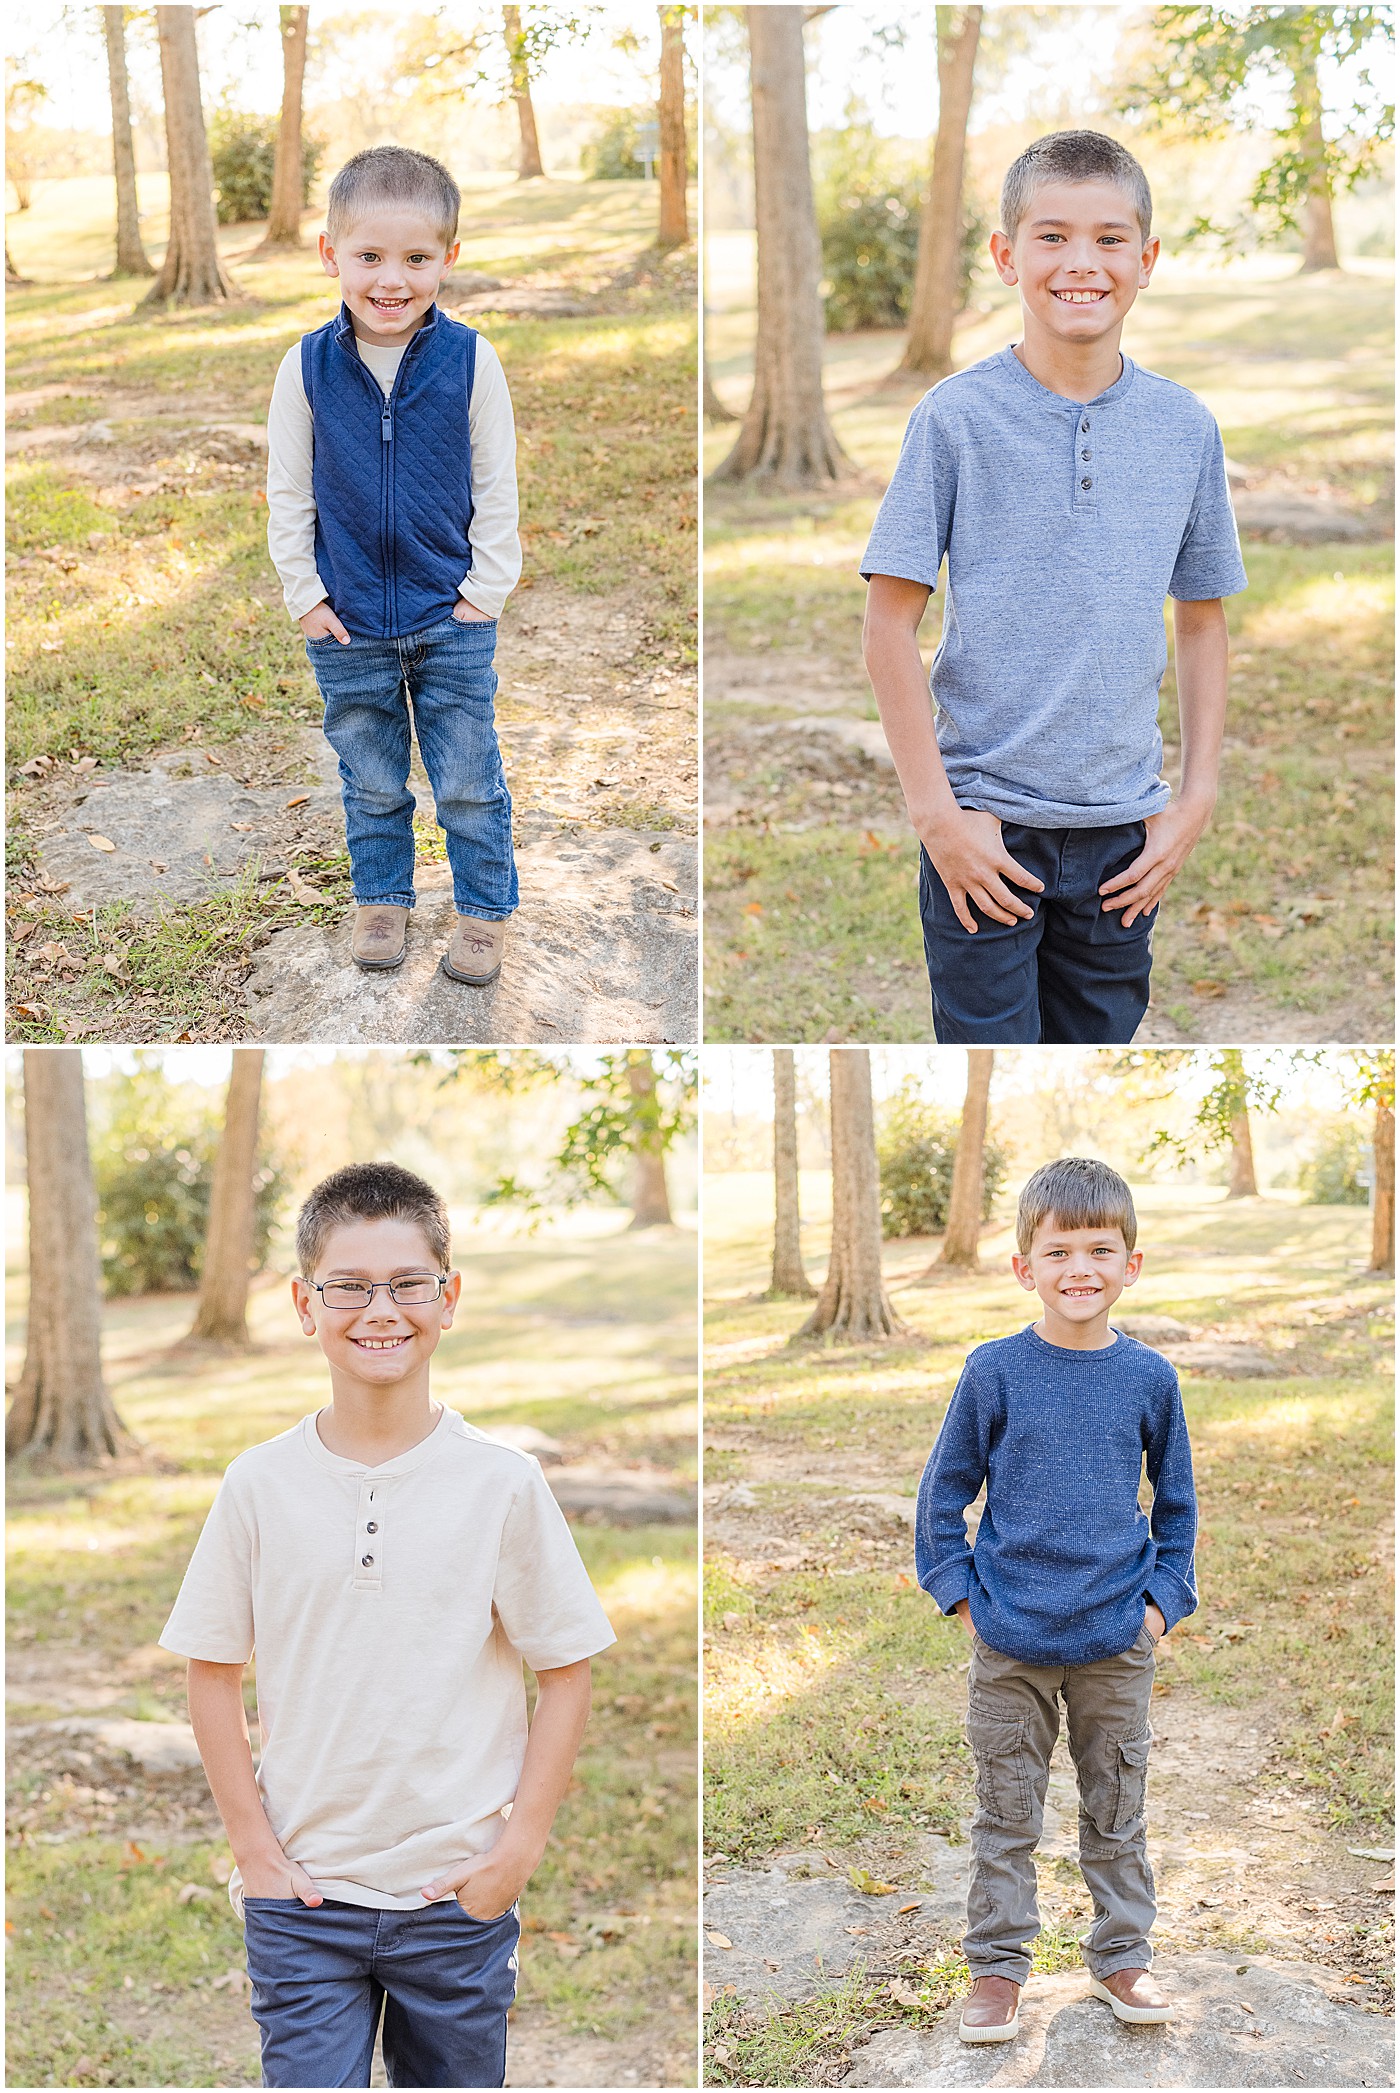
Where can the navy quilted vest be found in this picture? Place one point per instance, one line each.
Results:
(392, 477)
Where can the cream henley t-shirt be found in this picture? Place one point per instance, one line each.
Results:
(390, 1608)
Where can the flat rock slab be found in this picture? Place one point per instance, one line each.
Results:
(1226, 1362)
(602, 948)
(1153, 1329)
(202, 830)
(1293, 2034)
(620, 1499)
(1304, 519)
(157, 1747)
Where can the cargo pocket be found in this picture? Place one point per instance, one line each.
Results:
(1131, 1799)
(1003, 1775)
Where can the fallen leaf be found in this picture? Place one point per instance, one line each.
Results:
(102, 843)
(721, 2052)
(719, 1940)
(753, 908)
(300, 801)
(1207, 987)
(157, 866)
(242, 828)
(913, 1905)
(50, 885)
(868, 1884)
(1245, 2006)
(903, 1994)
(305, 893)
(1386, 1887)
(190, 1891)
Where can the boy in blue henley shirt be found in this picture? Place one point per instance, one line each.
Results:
(1066, 1590)
(1070, 492)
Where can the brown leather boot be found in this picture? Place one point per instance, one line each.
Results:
(991, 2011)
(476, 951)
(379, 939)
(1134, 1995)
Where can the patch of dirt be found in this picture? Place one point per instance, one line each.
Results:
(645, 2056)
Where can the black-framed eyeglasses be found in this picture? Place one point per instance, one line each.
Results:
(413, 1290)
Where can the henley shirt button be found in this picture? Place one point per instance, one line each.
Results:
(1086, 456)
(1086, 483)
(373, 1526)
(367, 1560)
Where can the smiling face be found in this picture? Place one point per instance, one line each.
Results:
(1077, 1272)
(1078, 259)
(388, 1343)
(390, 264)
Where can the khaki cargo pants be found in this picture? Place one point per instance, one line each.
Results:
(1013, 1719)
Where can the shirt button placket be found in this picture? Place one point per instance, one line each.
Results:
(367, 1569)
(1084, 491)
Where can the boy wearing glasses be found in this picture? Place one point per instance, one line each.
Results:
(392, 1566)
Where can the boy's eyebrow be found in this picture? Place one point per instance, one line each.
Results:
(361, 1272)
(1103, 225)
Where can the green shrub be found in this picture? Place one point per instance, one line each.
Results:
(613, 153)
(1332, 1175)
(153, 1148)
(869, 200)
(916, 1146)
(242, 152)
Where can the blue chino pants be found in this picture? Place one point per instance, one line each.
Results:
(320, 1977)
(1070, 976)
(445, 678)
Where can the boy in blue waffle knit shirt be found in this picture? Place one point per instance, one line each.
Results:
(1067, 1589)
(393, 526)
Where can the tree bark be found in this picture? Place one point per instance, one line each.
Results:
(530, 166)
(1383, 1192)
(673, 229)
(853, 1306)
(284, 215)
(786, 439)
(192, 273)
(132, 259)
(1242, 1179)
(651, 1204)
(62, 1416)
(965, 1199)
(12, 274)
(1319, 236)
(221, 1314)
(715, 409)
(929, 350)
(789, 1276)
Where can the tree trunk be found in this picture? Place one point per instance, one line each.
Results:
(673, 229)
(929, 351)
(651, 1205)
(132, 259)
(789, 1277)
(965, 1199)
(1242, 1179)
(853, 1306)
(221, 1315)
(715, 409)
(1383, 1191)
(1319, 237)
(530, 165)
(12, 274)
(284, 216)
(786, 439)
(192, 273)
(62, 1415)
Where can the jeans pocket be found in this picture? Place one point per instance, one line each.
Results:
(1003, 1774)
(1131, 1798)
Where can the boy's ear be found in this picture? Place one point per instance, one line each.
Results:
(1150, 255)
(327, 254)
(999, 247)
(1021, 1266)
(1132, 1268)
(301, 1301)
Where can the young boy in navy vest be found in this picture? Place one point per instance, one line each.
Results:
(1067, 1590)
(392, 522)
(1071, 492)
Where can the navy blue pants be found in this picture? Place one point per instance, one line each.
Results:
(1071, 976)
(320, 1977)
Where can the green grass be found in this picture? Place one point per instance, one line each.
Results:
(834, 1706)
(1298, 375)
(94, 1566)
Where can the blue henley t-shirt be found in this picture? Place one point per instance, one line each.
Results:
(1065, 1558)
(1065, 528)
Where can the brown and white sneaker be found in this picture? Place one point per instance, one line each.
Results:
(379, 939)
(991, 2011)
(475, 952)
(1134, 1995)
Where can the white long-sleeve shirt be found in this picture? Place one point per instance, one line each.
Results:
(494, 533)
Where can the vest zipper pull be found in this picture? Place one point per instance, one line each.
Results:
(386, 425)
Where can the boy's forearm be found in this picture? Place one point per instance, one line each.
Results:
(561, 1715)
(220, 1725)
(900, 683)
(1202, 681)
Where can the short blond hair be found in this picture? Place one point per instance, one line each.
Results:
(1074, 156)
(393, 174)
(1078, 1192)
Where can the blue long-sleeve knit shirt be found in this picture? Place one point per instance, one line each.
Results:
(1065, 1558)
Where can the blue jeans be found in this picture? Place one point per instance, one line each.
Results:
(320, 1976)
(446, 675)
(1071, 976)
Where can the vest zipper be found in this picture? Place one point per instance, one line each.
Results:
(386, 431)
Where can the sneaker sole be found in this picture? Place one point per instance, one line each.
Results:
(1142, 2016)
(1007, 2033)
(470, 980)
